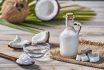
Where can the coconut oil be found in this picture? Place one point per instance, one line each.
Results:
(69, 38)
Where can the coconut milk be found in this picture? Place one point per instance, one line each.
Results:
(69, 38)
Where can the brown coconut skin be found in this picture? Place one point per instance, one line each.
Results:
(14, 11)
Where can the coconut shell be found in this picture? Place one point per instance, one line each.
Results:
(54, 16)
(14, 10)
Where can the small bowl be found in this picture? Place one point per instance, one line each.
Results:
(37, 50)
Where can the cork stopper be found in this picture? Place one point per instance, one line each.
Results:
(69, 16)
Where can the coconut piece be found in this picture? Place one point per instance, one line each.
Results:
(18, 42)
(14, 10)
(47, 9)
(78, 57)
(94, 57)
(84, 57)
(42, 37)
(24, 59)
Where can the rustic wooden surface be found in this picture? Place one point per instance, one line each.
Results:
(93, 30)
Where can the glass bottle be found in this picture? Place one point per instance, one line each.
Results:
(69, 38)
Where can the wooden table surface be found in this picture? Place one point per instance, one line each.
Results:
(92, 30)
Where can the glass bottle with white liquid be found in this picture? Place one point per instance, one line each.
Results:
(69, 38)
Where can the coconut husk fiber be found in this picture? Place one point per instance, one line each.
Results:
(95, 46)
(14, 10)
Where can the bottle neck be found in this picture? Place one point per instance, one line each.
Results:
(69, 23)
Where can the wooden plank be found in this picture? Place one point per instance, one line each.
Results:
(9, 51)
(5, 61)
(46, 67)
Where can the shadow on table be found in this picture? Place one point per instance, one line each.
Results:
(31, 67)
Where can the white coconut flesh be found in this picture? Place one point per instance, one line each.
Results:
(24, 59)
(46, 9)
(40, 37)
(18, 42)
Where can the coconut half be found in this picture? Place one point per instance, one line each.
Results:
(42, 37)
(46, 9)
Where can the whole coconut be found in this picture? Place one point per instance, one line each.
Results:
(14, 10)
